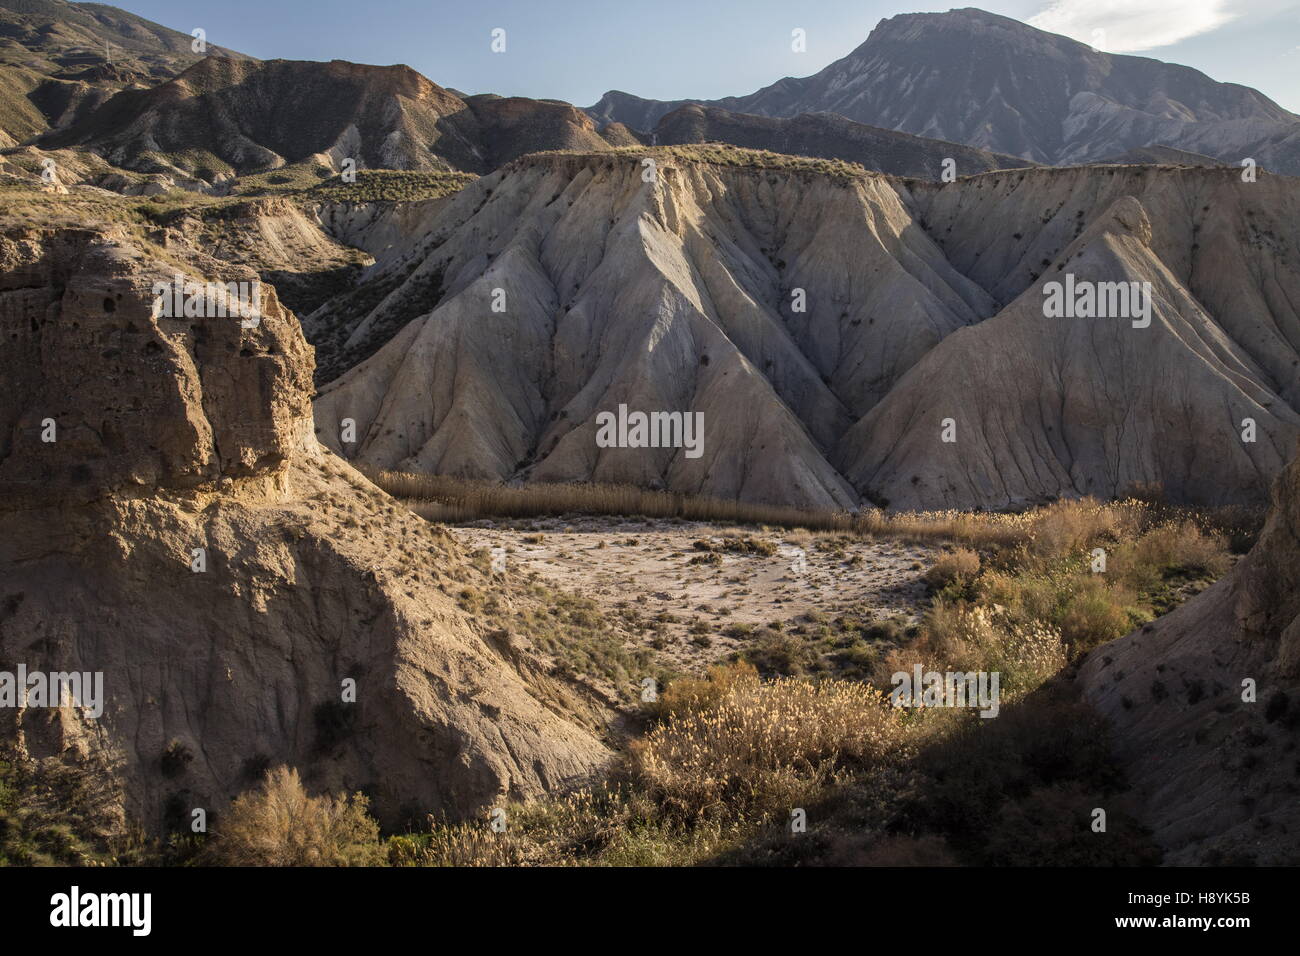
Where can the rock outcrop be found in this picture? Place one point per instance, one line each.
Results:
(1205, 704)
(168, 520)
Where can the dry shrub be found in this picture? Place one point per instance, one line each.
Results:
(461, 844)
(1095, 611)
(1032, 595)
(799, 538)
(543, 832)
(1087, 609)
(1067, 527)
(965, 637)
(280, 824)
(959, 565)
(687, 695)
(783, 655)
(760, 744)
(1178, 545)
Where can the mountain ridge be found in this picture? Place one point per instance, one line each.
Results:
(995, 83)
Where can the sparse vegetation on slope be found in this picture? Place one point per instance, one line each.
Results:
(392, 185)
(57, 815)
(724, 154)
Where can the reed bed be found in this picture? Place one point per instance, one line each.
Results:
(1050, 529)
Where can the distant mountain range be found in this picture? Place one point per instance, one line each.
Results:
(997, 84)
(985, 91)
(225, 117)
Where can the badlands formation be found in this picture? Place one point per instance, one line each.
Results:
(184, 534)
(832, 326)
(179, 507)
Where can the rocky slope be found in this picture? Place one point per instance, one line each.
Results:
(177, 434)
(1159, 156)
(992, 82)
(224, 117)
(1213, 766)
(923, 302)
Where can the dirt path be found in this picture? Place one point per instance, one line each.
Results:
(696, 592)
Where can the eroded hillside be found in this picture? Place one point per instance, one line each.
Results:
(168, 520)
(827, 323)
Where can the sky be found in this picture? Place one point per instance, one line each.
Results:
(575, 50)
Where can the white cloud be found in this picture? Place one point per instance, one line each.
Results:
(1125, 26)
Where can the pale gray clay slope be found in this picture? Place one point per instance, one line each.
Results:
(670, 295)
(1052, 406)
(923, 302)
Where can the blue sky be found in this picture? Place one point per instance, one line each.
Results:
(671, 49)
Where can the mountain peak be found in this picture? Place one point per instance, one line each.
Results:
(995, 83)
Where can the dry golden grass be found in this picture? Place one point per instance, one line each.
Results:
(757, 744)
(280, 824)
(1044, 533)
(959, 565)
(687, 695)
(965, 637)
(441, 498)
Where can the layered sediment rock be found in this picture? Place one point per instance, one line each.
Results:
(184, 535)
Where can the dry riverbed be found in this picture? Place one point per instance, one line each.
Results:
(697, 592)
